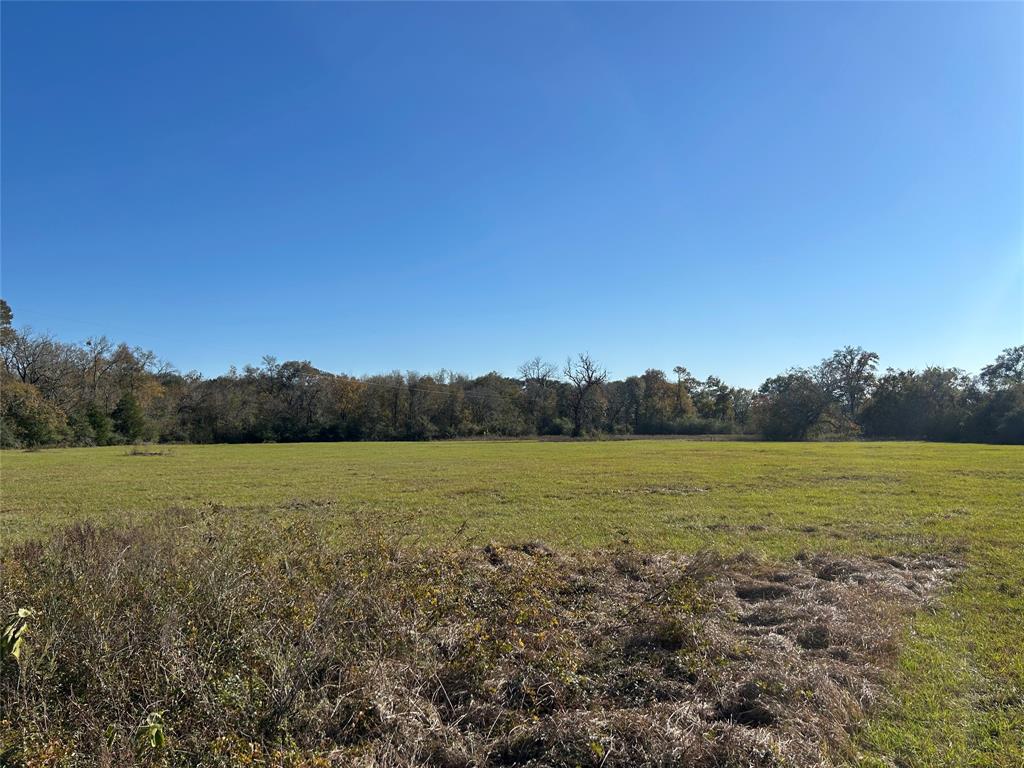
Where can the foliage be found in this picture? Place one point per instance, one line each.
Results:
(848, 377)
(1006, 371)
(26, 418)
(999, 417)
(934, 404)
(789, 406)
(128, 418)
(151, 732)
(100, 424)
(14, 632)
(98, 393)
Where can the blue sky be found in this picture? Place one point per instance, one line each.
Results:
(737, 188)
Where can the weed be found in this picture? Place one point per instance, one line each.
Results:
(198, 641)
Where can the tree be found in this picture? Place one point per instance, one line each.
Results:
(999, 417)
(743, 404)
(98, 364)
(1006, 371)
(540, 393)
(625, 405)
(658, 401)
(99, 392)
(848, 377)
(26, 419)
(684, 385)
(495, 405)
(6, 320)
(25, 355)
(129, 420)
(719, 396)
(934, 404)
(1000, 413)
(99, 423)
(585, 377)
(789, 406)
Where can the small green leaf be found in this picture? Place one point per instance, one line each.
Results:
(12, 639)
(151, 732)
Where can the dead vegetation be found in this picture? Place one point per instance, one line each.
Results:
(148, 450)
(664, 490)
(198, 643)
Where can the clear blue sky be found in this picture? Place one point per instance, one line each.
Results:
(737, 188)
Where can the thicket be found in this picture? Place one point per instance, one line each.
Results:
(98, 393)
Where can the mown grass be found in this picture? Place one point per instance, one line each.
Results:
(959, 696)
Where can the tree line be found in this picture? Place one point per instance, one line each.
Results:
(100, 393)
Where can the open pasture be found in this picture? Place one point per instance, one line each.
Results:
(957, 694)
(780, 498)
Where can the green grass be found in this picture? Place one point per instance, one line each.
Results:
(959, 694)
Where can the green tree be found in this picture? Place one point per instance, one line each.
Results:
(129, 420)
(684, 384)
(789, 406)
(6, 320)
(720, 396)
(658, 401)
(848, 377)
(1006, 371)
(933, 404)
(100, 424)
(26, 419)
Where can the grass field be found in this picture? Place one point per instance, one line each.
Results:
(958, 699)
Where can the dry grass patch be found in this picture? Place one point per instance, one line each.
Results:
(196, 642)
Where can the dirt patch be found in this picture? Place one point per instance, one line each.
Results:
(312, 505)
(146, 451)
(278, 650)
(664, 490)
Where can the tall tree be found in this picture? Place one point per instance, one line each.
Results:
(585, 376)
(539, 390)
(789, 406)
(27, 420)
(6, 322)
(848, 377)
(684, 385)
(719, 397)
(934, 404)
(1006, 371)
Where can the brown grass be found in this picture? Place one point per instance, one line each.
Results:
(248, 648)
